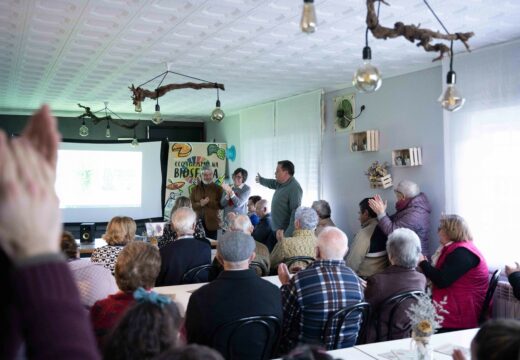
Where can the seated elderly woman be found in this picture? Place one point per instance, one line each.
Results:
(169, 235)
(413, 212)
(120, 231)
(404, 249)
(322, 208)
(458, 274)
(137, 266)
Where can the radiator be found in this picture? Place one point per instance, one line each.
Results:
(505, 305)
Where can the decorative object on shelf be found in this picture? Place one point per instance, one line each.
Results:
(345, 106)
(364, 141)
(378, 175)
(407, 157)
(84, 131)
(217, 114)
(308, 21)
(139, 94)
(425, 317)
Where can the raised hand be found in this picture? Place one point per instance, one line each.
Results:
(377, 205)
(511, 269)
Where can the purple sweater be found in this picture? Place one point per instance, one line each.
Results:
(42, 309)
(416, 217)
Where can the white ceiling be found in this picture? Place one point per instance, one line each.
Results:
(65, 51)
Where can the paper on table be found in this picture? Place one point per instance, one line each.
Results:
(447, 349)
(400, 354)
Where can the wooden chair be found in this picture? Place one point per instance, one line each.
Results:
(197, 274)
(259, 268)
(493, 282)
(344, 314)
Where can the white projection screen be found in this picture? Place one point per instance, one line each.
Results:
(96, 182)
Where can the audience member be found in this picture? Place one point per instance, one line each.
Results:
(263, 231)
(403, 248)
(313, 294)
(137, 266)
(308, 352)
(191, 352)
(237, 293)
(205, 199)
(234, 199)
(367, 254)
(169, 235)
(322, 208)
(94, 281)
(251, 209)
(303, 241)
(513, 275)
(287, 197)
(458, 273)
(149, 328)
(120, 231)
(40, 300)
(185, 252)
(496, 340)
(413, 212)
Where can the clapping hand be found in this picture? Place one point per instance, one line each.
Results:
(283, 274)
(279, 235)
(511, 269)
(204, 201)
(458, 355)
(377, 205)
(227, 188)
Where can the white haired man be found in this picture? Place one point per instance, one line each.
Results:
(303, 241)
(263, 232)
(236, 293)
(185, 253)
(310, 296)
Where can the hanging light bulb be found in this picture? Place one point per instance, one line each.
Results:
(134, 140)
(138, 107)
(107, 131)
(157, 117)
(308, 21)
(83, 129)
(451, 99)
(217, 114)
(367, 78)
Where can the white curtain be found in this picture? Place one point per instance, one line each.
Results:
(287, 129)
(483, 150)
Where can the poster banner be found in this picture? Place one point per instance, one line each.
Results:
(185, 161)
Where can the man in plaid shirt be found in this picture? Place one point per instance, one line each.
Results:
(313, 294)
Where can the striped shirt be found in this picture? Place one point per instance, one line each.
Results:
(311, 296)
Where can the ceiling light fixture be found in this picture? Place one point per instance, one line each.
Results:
(107, 131)
(83, 129)
(157, 117)
(451, 99)
(308, 21)
(217, 114)
(367, 78)
(118, 120)
(135, 143)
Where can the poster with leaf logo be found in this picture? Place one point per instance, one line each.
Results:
(185, 161)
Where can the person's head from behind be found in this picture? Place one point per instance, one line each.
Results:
(284, 171)
(453, 228)
(497, 340)
(403, 248)
(235, 250)
(148, 328)
(251, 202)
(183, 221)
(332, 244)
(242, 223)
(181, 201)
(207, 174)
(308, 352)
(239, 176)
(305, 218)
(137, 265)
(406, 189)
(191, 352)
(365, 212)
(120, 231)
(262, 208)
(322, 208)
(68, 245)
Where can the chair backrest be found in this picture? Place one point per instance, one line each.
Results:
(298, 261)
(390, 307)
(259, 268)
(232, 337)
(351, 313)
(197, 274)
(493, 282)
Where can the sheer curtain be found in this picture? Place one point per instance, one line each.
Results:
(287, 129)
(483, 149)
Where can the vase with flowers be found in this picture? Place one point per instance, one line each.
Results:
(425, 318)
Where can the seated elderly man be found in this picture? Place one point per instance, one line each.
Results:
(367, 253)
(323, 210)
(303, 241)
(404, 249)
(185, 253)
(237, 293)
(310, 296)
(263, 231)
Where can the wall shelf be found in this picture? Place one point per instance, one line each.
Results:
(407, 157)
(364, 141)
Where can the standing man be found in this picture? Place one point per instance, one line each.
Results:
(286, 198)
(205, 199)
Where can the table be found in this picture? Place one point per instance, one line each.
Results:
(85, 250)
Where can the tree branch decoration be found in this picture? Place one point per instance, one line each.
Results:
(413, 33)
(96, 119)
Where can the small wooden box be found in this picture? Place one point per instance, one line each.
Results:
(407, 157)
(364, 141)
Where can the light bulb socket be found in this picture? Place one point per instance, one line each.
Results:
(157, 107)
(217, 103)
(308, 1)
(367, 53)
(451, 77)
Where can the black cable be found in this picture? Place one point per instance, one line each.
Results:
(439, 20)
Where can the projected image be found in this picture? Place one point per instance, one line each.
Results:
(92, 179)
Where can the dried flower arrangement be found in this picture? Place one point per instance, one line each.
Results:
(378, 175)
(426, 316)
